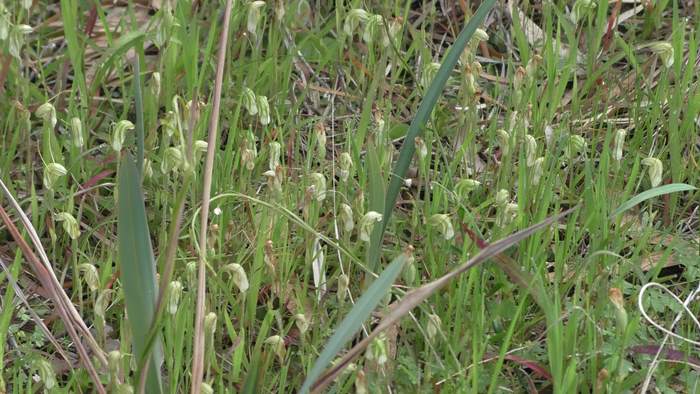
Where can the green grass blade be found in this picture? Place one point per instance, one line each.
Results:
(138, 275)
(122, 45)
(353, 321)
(138, 107)
(424, 110)
(651, 193)
(377, 195)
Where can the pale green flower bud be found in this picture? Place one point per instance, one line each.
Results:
(277, 345)
(346, 165)
(409, 274)
(470, 82)
(367, 224)
(548, 134)
(618, 301)
(428, 74)
(301, 322)
(254, 16)
(377, 350)
(537, 170)
(530, 149)
(16, 41)
(27, 4)
(434, 325)
(70, 225)
(52, 172)
(318, 184)
(147, 168)
(443, 223)
(4, 25)
(90, 275)
(581, 8)
(302, 13)
(119, 134)
(465, 186)
(76, 127)
(656, 170)
(155, 84)
(665, 51)
(263, 110)
(114, 364)
(248, 158)
(510, 212)
(619, 144)
(353, 19)
(170, 123)
(576, 145)
(238, 276)
(274, 180)
(275, 151)
(421, 148)
(191, 270)
(102, 303)
(346, 217)
(172, 160)
(206, 388)
(174, 293)
(394, 29)
(343, 283)
(480, 35)
(502, 197)
(250, 102)
(503, 138)
(46, 373)
(533, 65)
(200, 146)
(210, 324)
(374, 25)
(47, 113)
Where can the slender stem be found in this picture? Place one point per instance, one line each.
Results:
(198, 354)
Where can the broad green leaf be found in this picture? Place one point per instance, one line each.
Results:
(137, 265)
(353, 321)
(408, 147)
(651, 193)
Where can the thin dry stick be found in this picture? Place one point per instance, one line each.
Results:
(198, 356)
(418, 295)
(45, 278)
(39, 322)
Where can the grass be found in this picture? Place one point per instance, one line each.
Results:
(316, 101)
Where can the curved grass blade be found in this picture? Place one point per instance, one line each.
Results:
(358, 314)
(138, 274)
(369, 300)
(651, 193)
(413, 298)
(408, 147)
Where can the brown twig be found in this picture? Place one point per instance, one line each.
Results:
(198, 354)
